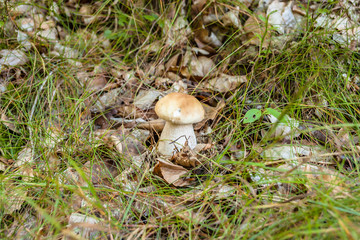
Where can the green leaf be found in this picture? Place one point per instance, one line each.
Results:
(276, 114)
(151, 17)
(2, 23)
(161, 23)
(108, 34)
(273, 112)
(122, 19)
(261, 17)
(252, 115)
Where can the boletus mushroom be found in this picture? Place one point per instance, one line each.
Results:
(180, 111)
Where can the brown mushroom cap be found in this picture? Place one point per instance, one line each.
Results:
(180, 108)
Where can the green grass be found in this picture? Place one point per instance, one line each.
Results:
(310, 80)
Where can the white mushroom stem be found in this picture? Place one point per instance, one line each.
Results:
(176, 135)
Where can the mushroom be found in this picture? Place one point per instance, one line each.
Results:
(180, 111)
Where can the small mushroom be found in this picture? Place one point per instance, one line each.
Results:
(180, 111)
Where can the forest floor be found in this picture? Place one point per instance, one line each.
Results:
(277, 155)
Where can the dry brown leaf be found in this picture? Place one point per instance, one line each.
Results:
(224, 83)
(185, 157)
(25, 156)
(199, 67)
(212, 112)
(255, 30)
(153, 47)
(202, 147)
(129, 111)
(322, 176)
(173, 77)
(319, 176)
(96, 83)
(173, 63)
(171, 173)
(204, 46)
(146, 98)
(345, 140)
(197, 6)
(231, 18)
(205, 37)
(127, 143)
(100, 172)
(12, 198)
(9, 123)
(281, 17)
(12, 58)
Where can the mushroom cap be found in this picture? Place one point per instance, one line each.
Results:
(180, 108)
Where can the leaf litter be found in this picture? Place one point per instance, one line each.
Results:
(127, 129)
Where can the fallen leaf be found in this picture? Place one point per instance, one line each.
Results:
(110, 98)
(9, 123)
(99, 82)
(224, 83)
(280, 16)
(86, 232)
(287, 127)
(185, 157)
(25, 156)
(318, 176)
(171, 173)
(198, 67)
(66, 52)
(256, 32)
(205, 37)
(175, 31)
(212, 112)
(50, 34)
(130, 112)
(146, 98)
(231, 18)
(12, 198)
(316, 154)
(12, 58)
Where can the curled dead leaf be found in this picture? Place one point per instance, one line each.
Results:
(185, 157)
(199, 67)
(171, 173)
